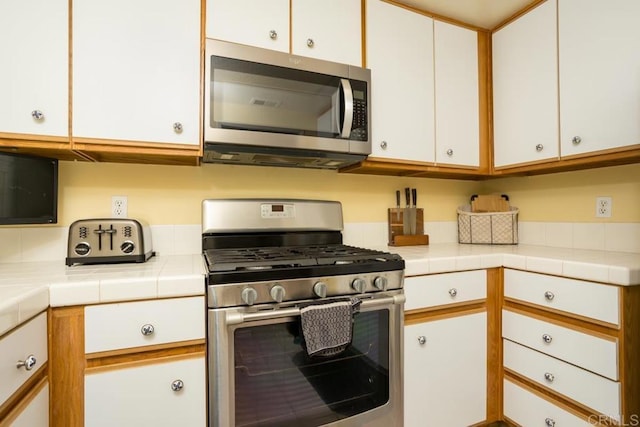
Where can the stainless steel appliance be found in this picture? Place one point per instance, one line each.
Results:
(271, 108)
(108, 240)
(266, 259)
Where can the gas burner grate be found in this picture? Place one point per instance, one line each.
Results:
(264, 258)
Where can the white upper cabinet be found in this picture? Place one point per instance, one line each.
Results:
(400, 56)
(457, 119)
(323, 29)
(599, 50)
(34, 76)
(136, 70)
(327, 29)
(252, 22)
(525, 88)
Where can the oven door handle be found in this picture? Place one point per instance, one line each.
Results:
(234, 318)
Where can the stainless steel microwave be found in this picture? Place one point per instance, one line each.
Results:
(272, 108)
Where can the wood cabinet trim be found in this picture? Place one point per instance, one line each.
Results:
(145, 351)
(443, 312)
(495, 370)
(550, 317)
(629, 359)
(66, 366)
(123, 361)
(35, 385)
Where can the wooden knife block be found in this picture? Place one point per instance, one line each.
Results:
(396, 229)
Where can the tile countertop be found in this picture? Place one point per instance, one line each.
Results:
(27, 289)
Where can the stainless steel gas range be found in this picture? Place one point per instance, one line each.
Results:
(270, 262)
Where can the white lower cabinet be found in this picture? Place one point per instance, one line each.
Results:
(530, 410)
(445, 362)
(154, 394)
(36, 413)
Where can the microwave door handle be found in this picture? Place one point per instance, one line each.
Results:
(345, 86)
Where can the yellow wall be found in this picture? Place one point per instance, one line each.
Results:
(571, 196)
(172, 194)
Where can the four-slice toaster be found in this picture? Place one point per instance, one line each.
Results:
(108, 240)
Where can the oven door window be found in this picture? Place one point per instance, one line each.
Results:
(278, 384)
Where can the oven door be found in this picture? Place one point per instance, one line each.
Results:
(260, 375)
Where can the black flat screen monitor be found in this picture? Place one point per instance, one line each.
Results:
(28, 189)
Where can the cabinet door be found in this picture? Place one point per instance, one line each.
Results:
(34, 76)
(525, 88)
(252, 22)
(145, 395)
(136, 70)
(36, 413)
(599, 51)
(445, 381)
(400, 56)
(456, 93)
(327, 29)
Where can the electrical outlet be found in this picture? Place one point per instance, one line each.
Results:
(119, 206)
(603, 207)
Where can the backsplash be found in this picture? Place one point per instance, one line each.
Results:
(33, 244)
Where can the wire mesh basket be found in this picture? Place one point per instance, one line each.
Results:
(487, 228)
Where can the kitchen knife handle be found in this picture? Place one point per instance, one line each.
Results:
(397, 198)
(407, 196)
(414, 196)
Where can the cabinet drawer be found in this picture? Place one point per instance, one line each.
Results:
(137, 324)
(588, 299)
(159, 394)
(587, 388)
(528, 409)
(36, 412)
(595, 354)
(30, 339)
(443, 289)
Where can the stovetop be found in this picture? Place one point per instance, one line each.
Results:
(274, 263)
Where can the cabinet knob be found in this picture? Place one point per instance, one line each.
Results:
(310, 42)
(547, 338)
(273, 34)
(177, 385)
(549, 422)
(383, 145)
(549, 296)
(147, 329)
(549, 377)
(539, 147)
(422, 340)
(576, 140)
(449, 152)
(453, 292)
(177, 127)
(37, 115)
(28, 363)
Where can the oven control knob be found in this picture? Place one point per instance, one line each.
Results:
(249, 296)
(320, 289)
(277, 293)
(380, 283)
(358, 285)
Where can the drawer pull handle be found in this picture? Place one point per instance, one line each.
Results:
(549, 296)
(549, 377)
(422, 340)
(453, 292)
(27, 364)
(547, 338)
(147, 329)
(549, 422)
(177, 385)
(37, 115)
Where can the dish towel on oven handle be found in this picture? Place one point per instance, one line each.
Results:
(327, 328)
